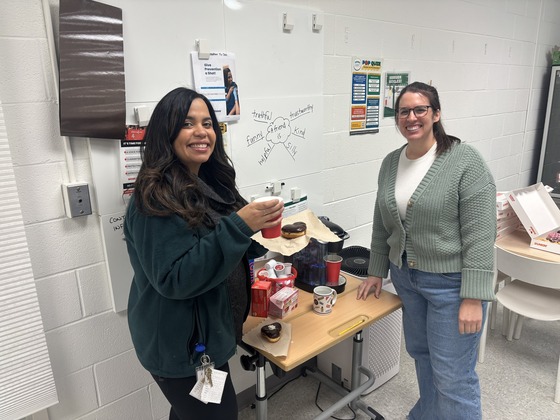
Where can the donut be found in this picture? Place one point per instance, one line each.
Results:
(554, 237)
(272, 332)
(294, 230)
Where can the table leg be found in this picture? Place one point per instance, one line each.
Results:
(255, 361)
(356, 362)
(354, 396)
(260, 396)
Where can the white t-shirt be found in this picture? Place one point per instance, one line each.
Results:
(409, 175)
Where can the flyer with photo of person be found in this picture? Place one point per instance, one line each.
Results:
(215, 78)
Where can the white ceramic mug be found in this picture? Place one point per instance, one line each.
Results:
(324, 299)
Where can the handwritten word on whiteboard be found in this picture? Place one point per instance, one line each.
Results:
(118, 265)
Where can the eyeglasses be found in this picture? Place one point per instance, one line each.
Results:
(419, 111)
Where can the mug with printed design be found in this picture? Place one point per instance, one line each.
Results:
(324, 299)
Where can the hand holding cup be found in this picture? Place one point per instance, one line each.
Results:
(263, 213)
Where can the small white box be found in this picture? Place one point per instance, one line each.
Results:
(539, 215)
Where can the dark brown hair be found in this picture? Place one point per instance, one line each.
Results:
(443, 140)
(164, 185)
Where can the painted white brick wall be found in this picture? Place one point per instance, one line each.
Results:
(120, 376)
(487, 58)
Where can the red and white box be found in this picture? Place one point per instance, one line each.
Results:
(283, 302)
(512, 221)
(505, 214)
(507, 222)
(260, 296)
(502, 233)
(502, 202)
(539, 215)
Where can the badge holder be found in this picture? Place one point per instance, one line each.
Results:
(210, 382)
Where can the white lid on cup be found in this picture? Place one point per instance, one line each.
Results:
(268, 198)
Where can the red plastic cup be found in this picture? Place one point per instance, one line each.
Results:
(333, 262)
(274, 231)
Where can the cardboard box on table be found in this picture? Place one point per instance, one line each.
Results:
(283, 302)
(539, 215)
(502, 201)
(513, 222)
(260, 297)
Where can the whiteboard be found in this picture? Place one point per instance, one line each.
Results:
(277, 139)
(278, 72)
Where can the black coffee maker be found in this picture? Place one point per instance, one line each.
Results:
(310, 263)
(334, 247)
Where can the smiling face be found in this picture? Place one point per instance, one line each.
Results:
(417, 129)
(196, 140)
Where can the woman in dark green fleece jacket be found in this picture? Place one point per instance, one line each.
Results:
(188, 233)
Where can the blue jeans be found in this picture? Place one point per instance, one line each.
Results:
(445, 360)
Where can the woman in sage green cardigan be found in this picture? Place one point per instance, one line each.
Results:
(434, 229)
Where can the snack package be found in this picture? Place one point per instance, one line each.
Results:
(283, 302)
(260, 296)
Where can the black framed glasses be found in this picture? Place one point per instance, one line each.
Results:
(419, 111)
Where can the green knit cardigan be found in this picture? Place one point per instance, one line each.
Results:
(450, 223)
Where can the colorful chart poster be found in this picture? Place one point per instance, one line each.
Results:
(215, 78)
(394, 83)
(130, 159)
(366, 96)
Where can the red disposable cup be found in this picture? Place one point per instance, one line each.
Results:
(333, 262)
(274, 231)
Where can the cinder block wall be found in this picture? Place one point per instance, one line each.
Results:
(487, 58)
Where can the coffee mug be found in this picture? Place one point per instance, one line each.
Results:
(324, 299)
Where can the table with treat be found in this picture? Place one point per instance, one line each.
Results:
(518, 243)
(311, 334)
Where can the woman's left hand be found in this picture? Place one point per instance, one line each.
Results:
(470, 316)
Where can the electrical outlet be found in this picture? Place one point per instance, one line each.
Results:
(77, 201)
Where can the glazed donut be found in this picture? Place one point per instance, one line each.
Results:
(272, 331)
(294, 230)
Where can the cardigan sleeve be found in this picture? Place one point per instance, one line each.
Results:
(477, 214)
(178, 261)
(379, 253)
(379, 249)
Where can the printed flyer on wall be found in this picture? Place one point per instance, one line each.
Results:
(366, 91)
(130, 159)
(394, 83)
(215, 78)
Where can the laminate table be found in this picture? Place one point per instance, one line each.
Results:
(313, 334)
(519, 241)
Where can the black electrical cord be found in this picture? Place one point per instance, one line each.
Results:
(253, 406)
(316, 398)
(283, 385)
(336, 418)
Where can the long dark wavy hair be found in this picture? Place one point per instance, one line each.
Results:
(164, 185)
(443, 140)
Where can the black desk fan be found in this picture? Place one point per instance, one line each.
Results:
(356, 261)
